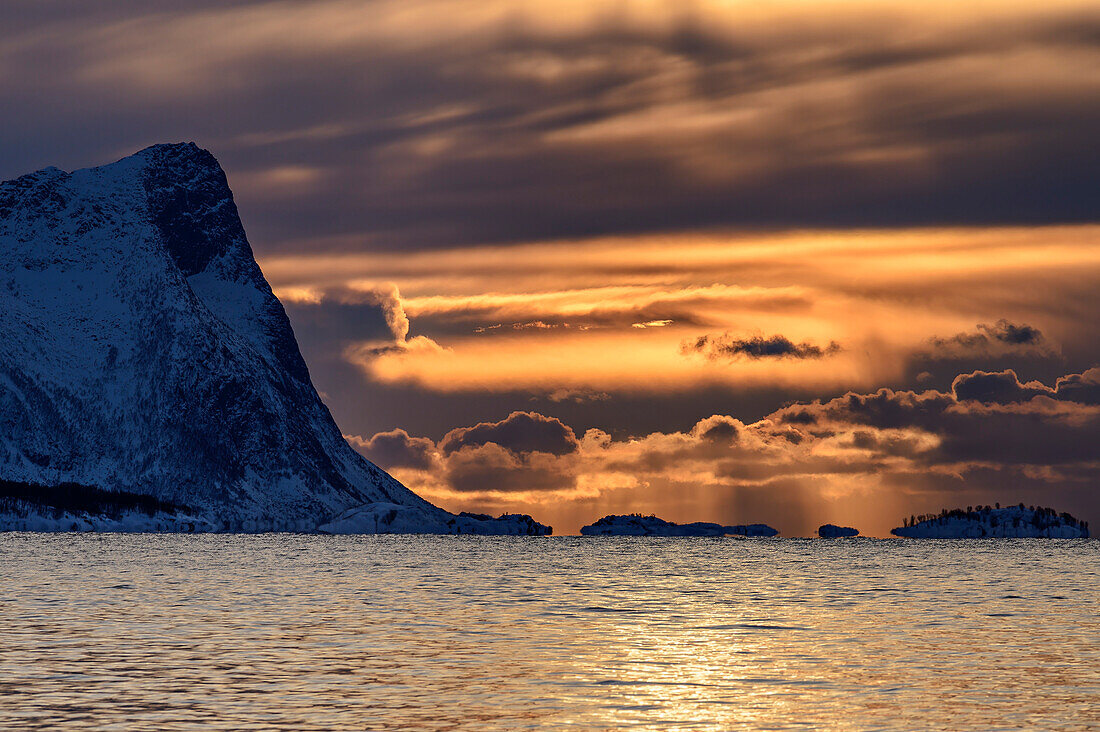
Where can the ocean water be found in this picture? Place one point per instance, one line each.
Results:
(289, 632)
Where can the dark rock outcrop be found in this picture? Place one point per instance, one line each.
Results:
(637, 525)
(831, 531)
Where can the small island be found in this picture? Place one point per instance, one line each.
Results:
(639, 525)
(976, 522)
(831, 531)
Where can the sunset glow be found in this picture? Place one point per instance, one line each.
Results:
(625, 219)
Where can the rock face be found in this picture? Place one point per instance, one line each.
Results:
(1011, 522)
(831, 531)
(143, 353)
(636, 525)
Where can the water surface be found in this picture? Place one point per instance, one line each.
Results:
(294, 632)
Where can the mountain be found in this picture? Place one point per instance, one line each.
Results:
(150, 379)
(638, 525)
(1008, 522)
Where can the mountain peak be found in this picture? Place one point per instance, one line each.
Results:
(188, 146)
(192, 205)
(182, 162)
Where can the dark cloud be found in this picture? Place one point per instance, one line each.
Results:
(1000, 334)
(490, 468)
(802, 417)
(884, 409)
(1004, 387)
(988, 419)
(1081, 388)
(428, 130)
(777, 346)
(1001, 387)
(717, 428)
(397, 449)
(519, 432)
(524, 452)
(1012, 334)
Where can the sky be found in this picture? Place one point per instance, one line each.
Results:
(765, 261)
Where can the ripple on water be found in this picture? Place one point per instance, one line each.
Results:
(454, 633)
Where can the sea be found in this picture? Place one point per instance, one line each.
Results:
(307, 632)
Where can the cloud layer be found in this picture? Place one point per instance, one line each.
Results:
(804, 313)
(867, 457)
(404, 124)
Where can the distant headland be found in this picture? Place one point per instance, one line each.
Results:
(639, 525)
(830, 531)
(973, 522)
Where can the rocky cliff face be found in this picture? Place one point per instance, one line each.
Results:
(142, 351)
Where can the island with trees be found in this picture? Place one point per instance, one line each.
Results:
(976, 522)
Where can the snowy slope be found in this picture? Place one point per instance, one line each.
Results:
(141, 349)
(1009, 522)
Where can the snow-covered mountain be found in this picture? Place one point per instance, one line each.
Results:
(1008, 522)
(142, 352)
(637, 525)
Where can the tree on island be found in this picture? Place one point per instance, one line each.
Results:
(1042, 517)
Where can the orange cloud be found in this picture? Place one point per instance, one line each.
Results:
(863, 303)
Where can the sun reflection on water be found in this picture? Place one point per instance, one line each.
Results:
(426, 633)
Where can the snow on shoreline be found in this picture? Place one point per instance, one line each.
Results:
(986, 522)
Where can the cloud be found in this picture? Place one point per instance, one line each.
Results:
(396, 449)
(490, 468)
(877, 456)
(777, 346)
(340, 326)
(519, 121)
(524, 453)
(884, 295)
(519, 432)
(1002, 388)
(999, 337)
(717, 428)
(1081, 388)
(1012, 334)
(336, 316)
(577, 396)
